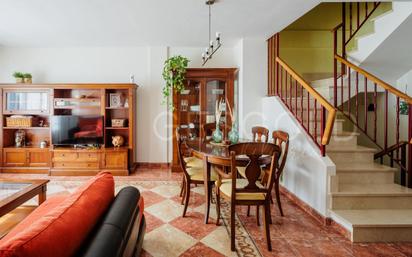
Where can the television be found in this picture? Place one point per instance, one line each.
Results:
(77, 130)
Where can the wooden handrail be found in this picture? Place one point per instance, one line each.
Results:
(337, 27)
(331, 110)
(373, 78)
(390, 149)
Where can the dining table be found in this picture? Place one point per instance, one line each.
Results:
(215, 154)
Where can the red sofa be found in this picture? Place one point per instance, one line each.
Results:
(92, 221)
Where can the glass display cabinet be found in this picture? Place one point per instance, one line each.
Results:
(196, 105)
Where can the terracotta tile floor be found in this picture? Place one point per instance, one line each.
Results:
(296, 234)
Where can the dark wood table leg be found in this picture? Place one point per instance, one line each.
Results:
(208, 189)
(42, 195)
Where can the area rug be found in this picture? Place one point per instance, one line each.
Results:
(159, 193)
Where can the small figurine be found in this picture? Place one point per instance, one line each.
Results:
(19, 138)
(117, 141)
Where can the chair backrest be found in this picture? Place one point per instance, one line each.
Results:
(281, 139)
(209, 128)
(255, 151)
(259, 132)
(180, 154)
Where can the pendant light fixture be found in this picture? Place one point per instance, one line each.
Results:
(213, 45)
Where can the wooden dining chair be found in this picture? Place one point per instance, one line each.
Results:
(191, 175)
(259, 132)
(248, 191)
(281, 139)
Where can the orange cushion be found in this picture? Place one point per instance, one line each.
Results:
(61, 229)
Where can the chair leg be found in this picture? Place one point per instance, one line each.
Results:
(187, 193)
(217, 206)
(257, 215)
(182, 186)
(232, 227)
(278, 198)
(266, 215)
(184, 192)
(248, 211)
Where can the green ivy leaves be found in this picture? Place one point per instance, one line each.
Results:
(174, 71)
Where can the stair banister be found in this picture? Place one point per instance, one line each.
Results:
(287, 87)
(389, 91)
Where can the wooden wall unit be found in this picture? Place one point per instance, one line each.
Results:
(196, 106)
(42, 101)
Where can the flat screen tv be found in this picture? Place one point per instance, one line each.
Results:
(77, 130)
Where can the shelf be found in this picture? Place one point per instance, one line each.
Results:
(120, 128)
(117, 108)
(77, 99)
(75, 107)
(28, 147)
(41, 128)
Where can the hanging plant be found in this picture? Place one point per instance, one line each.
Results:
(174, 75)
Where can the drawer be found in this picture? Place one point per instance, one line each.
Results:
(64, 156)
(78, 165)
(89, 157)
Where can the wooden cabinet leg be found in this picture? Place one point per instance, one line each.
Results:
(42, 195)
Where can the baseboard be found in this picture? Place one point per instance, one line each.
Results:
(152, 165)
(326, 221)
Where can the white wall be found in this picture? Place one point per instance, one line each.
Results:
(114, 64)
(252, 59)
(306, 172)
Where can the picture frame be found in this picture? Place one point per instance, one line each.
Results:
(115, 100)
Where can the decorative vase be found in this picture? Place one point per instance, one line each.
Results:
(234, 134)
(28, 80)
(19, 80)
(217, 134)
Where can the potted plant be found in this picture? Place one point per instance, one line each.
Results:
(19, 76)
(27, 78)
(174, 71)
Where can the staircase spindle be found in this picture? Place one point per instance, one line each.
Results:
(375, 109)
(349, 85)
(290, 90)
(397, 124)
(366, 104)
(386, 119)
(357, 98)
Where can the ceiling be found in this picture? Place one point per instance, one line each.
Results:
(392, 58)
(58, 23)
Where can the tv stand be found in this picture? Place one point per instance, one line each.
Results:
(67, 99)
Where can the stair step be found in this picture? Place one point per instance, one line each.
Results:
(376, 190)
(383, 225)
(373, 196)
(342, 155)
(364, 168)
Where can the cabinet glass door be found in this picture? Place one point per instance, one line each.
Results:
(215, 94)
(26, 102)
(189, 108)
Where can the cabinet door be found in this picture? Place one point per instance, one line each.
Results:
(115, 160)
(38, 158)
(14, 157)
(26, 101)
(188, 106)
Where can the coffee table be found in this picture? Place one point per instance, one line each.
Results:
(15, 192)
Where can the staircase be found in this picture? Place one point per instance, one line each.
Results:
(363, 197)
